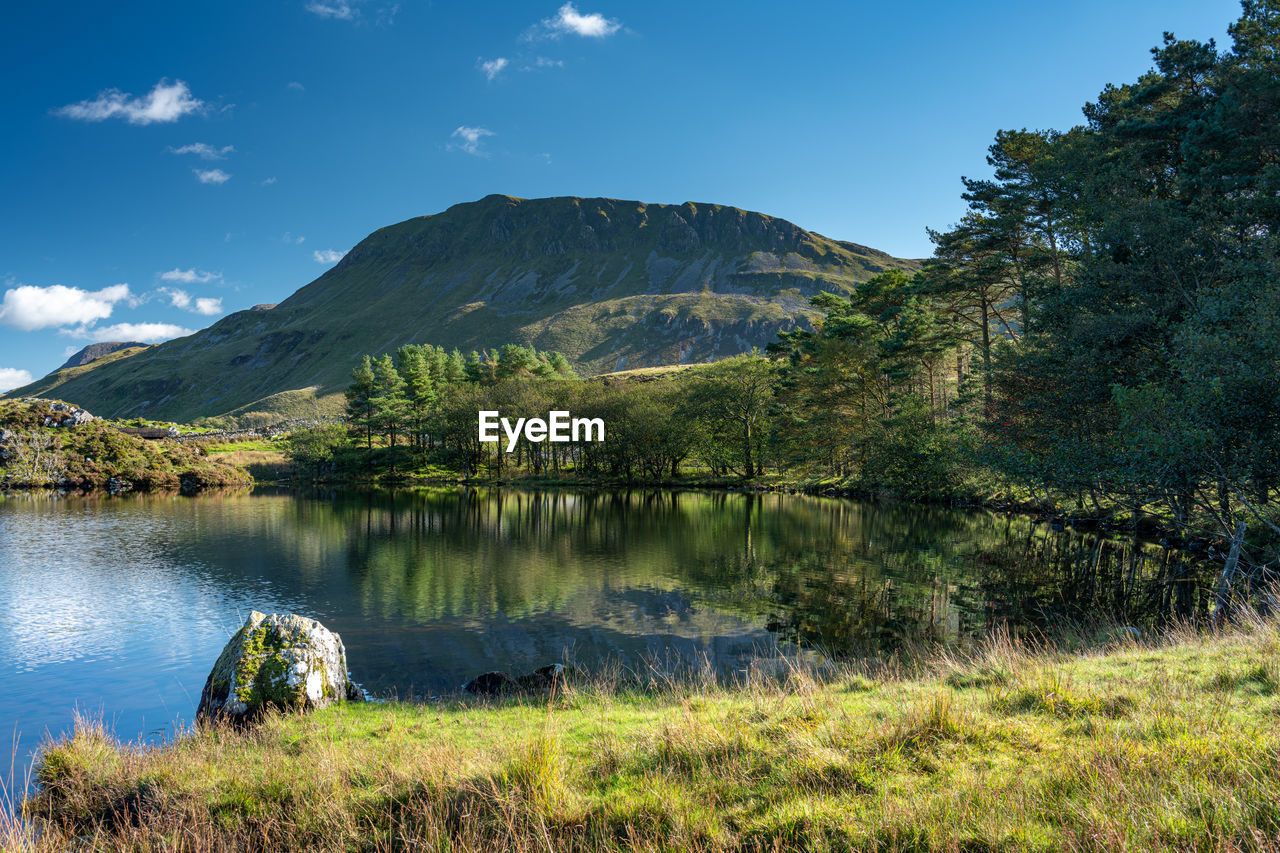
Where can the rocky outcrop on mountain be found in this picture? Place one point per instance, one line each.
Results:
(611, 284)
(98, 350)
(66, 415)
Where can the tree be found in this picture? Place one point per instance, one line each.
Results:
(360, 405)
(388, 401)
(419, 375)
(312, 449)
(733, 398)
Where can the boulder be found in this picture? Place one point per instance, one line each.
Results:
(286, 661)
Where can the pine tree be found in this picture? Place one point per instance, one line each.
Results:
(388, 400)
(360, 406)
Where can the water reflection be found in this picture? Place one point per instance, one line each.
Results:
(123, 604)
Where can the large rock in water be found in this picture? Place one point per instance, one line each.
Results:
(282, 661)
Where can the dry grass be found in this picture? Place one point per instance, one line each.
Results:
(1140, 746)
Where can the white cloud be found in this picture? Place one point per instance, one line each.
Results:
(328, 256)
(191, 276)
(569, 21)
(295, 86)
(205, 305)
(12, 377)
(471, 139)
(339, 11)
(205, 152)
(493, 67)
(544, 62)
(354, 11)
(149, 333)
(290, 238)
(211, 176)
(177, 298)
(167, 102)
(268, 182)
(29, 307)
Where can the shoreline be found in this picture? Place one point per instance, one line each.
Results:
(1009, 747)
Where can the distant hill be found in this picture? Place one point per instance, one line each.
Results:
(98, 350)
(614, 285)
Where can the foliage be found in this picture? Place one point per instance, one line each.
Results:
(97, 455)
(312, 449)
(1141, 251)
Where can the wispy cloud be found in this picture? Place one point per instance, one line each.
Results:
(204, 152)
(167, 102)
(493, 67)
(150, 333)
(296, 239)
(269, 181)
(328, 256)
(12, 377)
(339, 10)
(191, 276)
(211, 176)
(28, 307)
(205, 305)
(350, 10)
(472, 138)
(295, 86)
(569, 21)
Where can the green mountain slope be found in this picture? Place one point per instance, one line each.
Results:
(611, 284)
(76, 367)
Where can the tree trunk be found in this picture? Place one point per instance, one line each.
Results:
(1222, 603)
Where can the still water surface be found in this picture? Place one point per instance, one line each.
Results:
(119, 606)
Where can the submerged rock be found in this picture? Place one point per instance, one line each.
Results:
(544, 678)
(491, 684)
(282, 661)
(496, 683)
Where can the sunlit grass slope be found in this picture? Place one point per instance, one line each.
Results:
(1137, 747)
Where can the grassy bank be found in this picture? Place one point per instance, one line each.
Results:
(1136, 746)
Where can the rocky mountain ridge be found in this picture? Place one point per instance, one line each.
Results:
(612, 284)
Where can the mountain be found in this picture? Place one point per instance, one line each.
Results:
(95, 351)
(612, 284)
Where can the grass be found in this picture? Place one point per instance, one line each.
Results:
(1140, 746)
(264, 445)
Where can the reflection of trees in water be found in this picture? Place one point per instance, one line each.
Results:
(840, 575)
(1040, 577)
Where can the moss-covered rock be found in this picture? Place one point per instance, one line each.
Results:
(286, 661)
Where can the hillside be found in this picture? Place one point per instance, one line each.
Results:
(612, 284)
(84, 361)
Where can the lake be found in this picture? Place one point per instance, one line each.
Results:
(119, 606)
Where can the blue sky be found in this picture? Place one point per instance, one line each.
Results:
(163, 164)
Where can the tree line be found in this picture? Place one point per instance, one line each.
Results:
(1101, 329)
